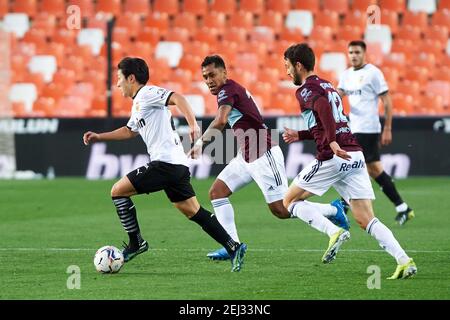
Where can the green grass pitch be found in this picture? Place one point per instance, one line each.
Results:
(48, 225)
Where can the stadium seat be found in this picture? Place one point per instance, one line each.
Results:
(406, 47)
(241, 19)
(110, 7)
(417, 19)
(439, 88)
(36, 36)
(441, 18)
(17, 23)
(281, 6)
(322, 33)
(228, 51)
(253, 6)
(419, 74)
(185, 20)
(247, 62)
(4, 7)
(44, 106)
(355, 19)
(391, 19)
(338, 6)
(150, 35)
(28, 7)
(310, 5)
(54, 49)
(379, 33)
(172, 51)
(411, 88)
(234, 34)
(264, 35)
(269, 75)
(439, 33)
(441, 73)
(159, 21)
(409, 32)
(327, 19)
(398, 6)
(25, 93)
(207, 35)
(196, 48)
(191, 63)
(66, 37)
(37, 79)
(224, 6)
(349, 33)
(181, 35)
(93, 37)
(425, 60)
(362, 5)
(44, 64)
(300, 19)
(141, 49)
(422, 6)
(139, 7)
(196, 7)
(54, 7)
(434, 47)
(402, 104)
(166, 6)
(272, 20)
(86, 7)
(216, 20)
(285, 102)
(130, 21)
(333, 61)
(71, 107)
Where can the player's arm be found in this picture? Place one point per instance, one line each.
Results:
(214, 128)
(122, 133)
(386, 136)
(185, 109)
(323, 109)
(290, 135)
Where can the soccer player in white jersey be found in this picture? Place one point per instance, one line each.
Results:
(168, 167)
(339, 163)
(364, 83)
(259, 159)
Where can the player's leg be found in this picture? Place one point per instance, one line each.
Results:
(371, 149)
(233, 177)
(363, 213)
(209, 223)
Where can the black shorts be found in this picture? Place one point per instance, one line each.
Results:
(370, 143)
(157, 175)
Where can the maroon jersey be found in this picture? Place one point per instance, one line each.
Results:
(251, 133)
(321, 108)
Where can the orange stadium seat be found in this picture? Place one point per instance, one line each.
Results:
(139, 7)
(112, 7)
(281, 6)
(269, 75)
(247, 62)
(191, 63)
(37, 79)
(196, 7)
(398, 6)
(327, 19)
(402, 104)
(44, 105)
(253, 6)
(285, 102)
(339, 6)
(228, 51)
(430, 105)
(157, 20)
(274, 61)
(141, 49)
(207, 35)
(225, 6)
(130, 21)
(406, 47)
(418, 19)
(98, 106)
(441, 18)
(121, 35)
(46, 22)
(86, 7)
(322, 34)
(415, 73)
(442, 73)
(4, 7)
(57, 50)
(55, 90)
(291, 35)
(36, 36)
(439, 88)
(310, 5)
(411, 88)
(196, 48)
(66, 37)
(28, 7)
(375, 53)
(257, 48)
(54, 7)
(362, 5)
(234, 34)
(434, 47)
(444, 4)
(340, 46)
(409, 32)
(178, 34)
(216, 20)
(263, 35)
(150, 35)
(391, 19)
(426, 60)
(186, 20)
(355, 19)
(242, 19)
(349, 33)
(439, 33)
(273, 20)
(167, 6)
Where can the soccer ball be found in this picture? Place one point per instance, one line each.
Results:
(108, 259)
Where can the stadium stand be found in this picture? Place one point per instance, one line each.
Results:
(61, 71)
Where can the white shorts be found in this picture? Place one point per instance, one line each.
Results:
(268, 172)
(350, 178)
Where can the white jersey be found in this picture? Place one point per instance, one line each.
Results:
(151, 117)
(363, 87)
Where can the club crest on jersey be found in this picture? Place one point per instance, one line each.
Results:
(136, 106)
(222, 95)
(161, 92)
(305, 93)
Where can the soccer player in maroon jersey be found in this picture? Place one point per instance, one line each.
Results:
(259, 158)
(339, 162)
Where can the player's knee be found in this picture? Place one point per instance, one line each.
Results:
(116, 190)
(280, 211)
(216, 193)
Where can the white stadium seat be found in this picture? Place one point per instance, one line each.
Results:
(447, 50)
(93, 37)
(197, 103)
(379, 33)
(428, 6)
(302, 19)
(333, 61)
(45, 64)
(17, 23)
(23, 92)
(170, 50)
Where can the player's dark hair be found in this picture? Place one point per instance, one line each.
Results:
(216, 59)
(135, 66)
(301, 53)
(358, 43)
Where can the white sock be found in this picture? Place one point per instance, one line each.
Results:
(327, 210)
(387, 240)
(225, 214)
(402, 207)
(307, 211)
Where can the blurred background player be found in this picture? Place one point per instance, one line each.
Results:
(364, 83)
(168, 167)
(339, 163)
(259, 158)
